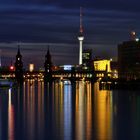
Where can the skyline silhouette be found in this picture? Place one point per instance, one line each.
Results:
(56, 23)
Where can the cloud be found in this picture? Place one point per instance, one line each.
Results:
(35, 53)
(51, 23)
(106, 23)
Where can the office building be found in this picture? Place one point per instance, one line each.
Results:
(129, 59)
(87, 58)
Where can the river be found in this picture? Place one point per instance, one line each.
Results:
(64, 111)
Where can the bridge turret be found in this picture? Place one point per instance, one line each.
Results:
(19, 67)
(48, 67)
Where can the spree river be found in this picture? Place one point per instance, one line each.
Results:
(64, 111)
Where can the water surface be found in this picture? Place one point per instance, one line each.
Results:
(68, 112)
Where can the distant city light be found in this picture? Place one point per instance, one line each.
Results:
(11, 67)
(137, 39)
(133, 33)
(67, 67)
(31, 67)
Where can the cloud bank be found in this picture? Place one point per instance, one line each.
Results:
(106, 24)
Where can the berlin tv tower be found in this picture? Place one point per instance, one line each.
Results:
(80, 38)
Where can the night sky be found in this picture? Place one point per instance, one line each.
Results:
(56, 23)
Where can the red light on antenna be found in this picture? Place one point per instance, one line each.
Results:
(81, 20)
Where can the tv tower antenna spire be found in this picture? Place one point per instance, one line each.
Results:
(81, 21)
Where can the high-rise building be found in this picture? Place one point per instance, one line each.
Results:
(129, 59)
(80, 38)
(87, 58)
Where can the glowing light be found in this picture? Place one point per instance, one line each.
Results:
(67, 67)
(103, 117)
(133, 33)
(137, 39)
(31, 67)
(11, 67)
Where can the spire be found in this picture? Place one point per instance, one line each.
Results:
(48, 52)
(48, 56)
(81, 21)
(48, 67)
(18, 56)
(18, 50)
(19, 67)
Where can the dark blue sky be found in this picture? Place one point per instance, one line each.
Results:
(56, 22)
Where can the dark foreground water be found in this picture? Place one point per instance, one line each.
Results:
(68, 112)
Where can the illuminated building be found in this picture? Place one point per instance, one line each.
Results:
(111, 67)
(129, 58)
(80, 38)
(87, 58)
(114, 69)
(66, 67)
(31, 67)
(102, 65)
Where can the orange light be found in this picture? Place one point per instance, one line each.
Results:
(133, 33)
(11, 67)
(31, 67)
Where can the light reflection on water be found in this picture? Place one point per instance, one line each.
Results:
(10, 117)
(68, 112)
(103, 114)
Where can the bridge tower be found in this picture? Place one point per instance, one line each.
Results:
(48, 67)
(19, 67)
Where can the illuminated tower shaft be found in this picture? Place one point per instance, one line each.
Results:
(80, 38)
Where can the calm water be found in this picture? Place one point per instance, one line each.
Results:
(68, 112)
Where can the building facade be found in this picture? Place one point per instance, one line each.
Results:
(87, 58)
(129, 60)
(102, 65)
(108, 65)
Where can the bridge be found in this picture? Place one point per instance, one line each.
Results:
(86, 75)
(67, 75)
